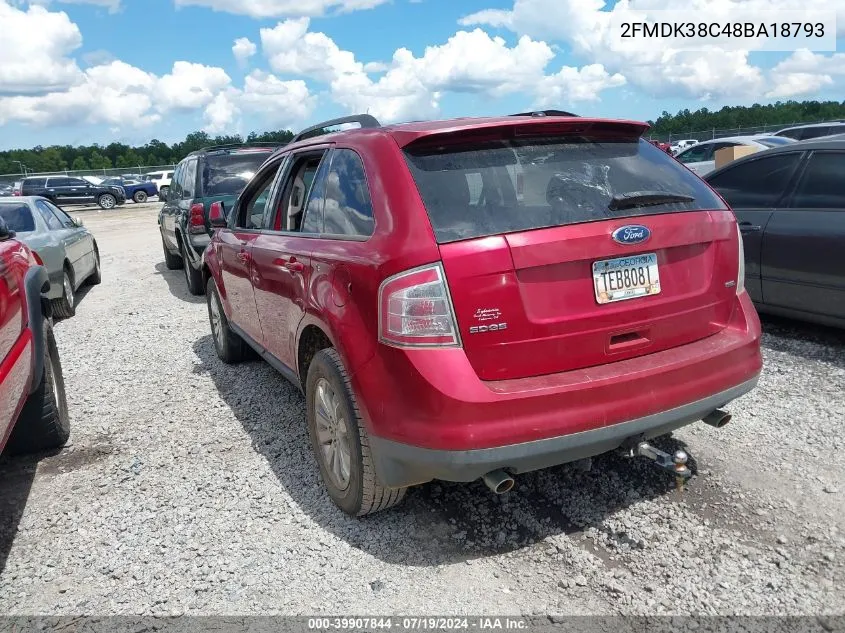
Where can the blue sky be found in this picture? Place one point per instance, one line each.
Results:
(109, 73)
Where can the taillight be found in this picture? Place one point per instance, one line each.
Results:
(196, 223)
(37, 258)
(415, 309)
(740, 276)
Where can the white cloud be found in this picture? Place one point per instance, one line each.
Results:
(283, 8)
(411, 87)
(189, 86)
(805, 72)
(585, 26)
(243, 49)
(34, 50)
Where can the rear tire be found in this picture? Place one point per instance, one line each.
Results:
(173, 262)
(44, 423)
(230, 347)
(107, 201)
(140, 197)
(65, 307)
(363, 493)
(192, 277)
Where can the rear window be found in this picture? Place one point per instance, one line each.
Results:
(774, 141)
(18, 217)
(228, 174)
(506, 186)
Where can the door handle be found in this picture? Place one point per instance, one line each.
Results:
(291, 264)
(747, 227)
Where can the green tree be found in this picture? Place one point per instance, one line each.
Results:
(79, 164)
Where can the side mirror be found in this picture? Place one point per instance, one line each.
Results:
(78, 221)
(217, 215)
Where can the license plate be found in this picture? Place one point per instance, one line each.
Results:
(626, 278)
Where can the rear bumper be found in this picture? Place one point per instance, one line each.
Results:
(401, 465)
(430, 416)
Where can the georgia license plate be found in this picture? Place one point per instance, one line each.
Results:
(626, 278)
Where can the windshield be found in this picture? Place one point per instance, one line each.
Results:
(506, 186)
(18, 217)
(228, 174)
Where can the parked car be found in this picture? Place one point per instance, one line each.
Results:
(441, 329)
(16, 188)
(790, 204)
(813, 130)
(162, 182)
(34, 415)
(679, 146)
(701, 157)
(63, 190)
(62, 245)
(136, 190)
(202, 178)
(6, 190)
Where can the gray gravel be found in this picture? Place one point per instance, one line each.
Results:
(189, 488)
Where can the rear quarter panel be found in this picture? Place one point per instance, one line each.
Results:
(15, 338)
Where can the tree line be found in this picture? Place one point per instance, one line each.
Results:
(95, 157)
(734, 117)
(59, 158)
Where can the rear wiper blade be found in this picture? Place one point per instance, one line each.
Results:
(645, 199)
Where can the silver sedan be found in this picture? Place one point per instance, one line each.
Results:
(66, 248)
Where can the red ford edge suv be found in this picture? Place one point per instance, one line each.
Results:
(478, 298)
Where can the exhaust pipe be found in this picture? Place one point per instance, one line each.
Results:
(498, 481)
(717, 418)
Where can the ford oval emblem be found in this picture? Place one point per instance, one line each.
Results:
(631, 234)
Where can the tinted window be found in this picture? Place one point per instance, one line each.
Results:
(175, 191)
(815, 132)
(33, 183)
(313, 221)
(348, 209)
(189, 180)
(756, 183)
(541, 182)
(696, 154)
(823, 183)
(58, 182)
(228, 174)
(77, 182)
(18, 217)
(793, 133)
(50, 218)
(254, 203)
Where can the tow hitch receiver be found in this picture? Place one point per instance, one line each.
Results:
(676, 464)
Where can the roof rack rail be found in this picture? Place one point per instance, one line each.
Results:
(364, 120)
(212, 148)
(541, 113)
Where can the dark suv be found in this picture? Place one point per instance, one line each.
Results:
(64, 190)
(213, 174)
(479, 298)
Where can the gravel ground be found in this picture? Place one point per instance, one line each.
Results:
(189, 488)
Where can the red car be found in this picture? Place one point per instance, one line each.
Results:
(33, 406)
(478, 298)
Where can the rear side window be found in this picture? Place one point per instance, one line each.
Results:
(58, 182)
(815, 132)
(228, 174)
(758, 183)
(696, 153)
(822, 185)
(189, 180)
(34, 183)
(503, 186)
(18, 217)
(348, 209)
(53, 222)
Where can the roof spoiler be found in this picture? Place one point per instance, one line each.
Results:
(364, 120)
(539, 113)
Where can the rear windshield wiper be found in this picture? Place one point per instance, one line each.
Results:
(634, 199)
